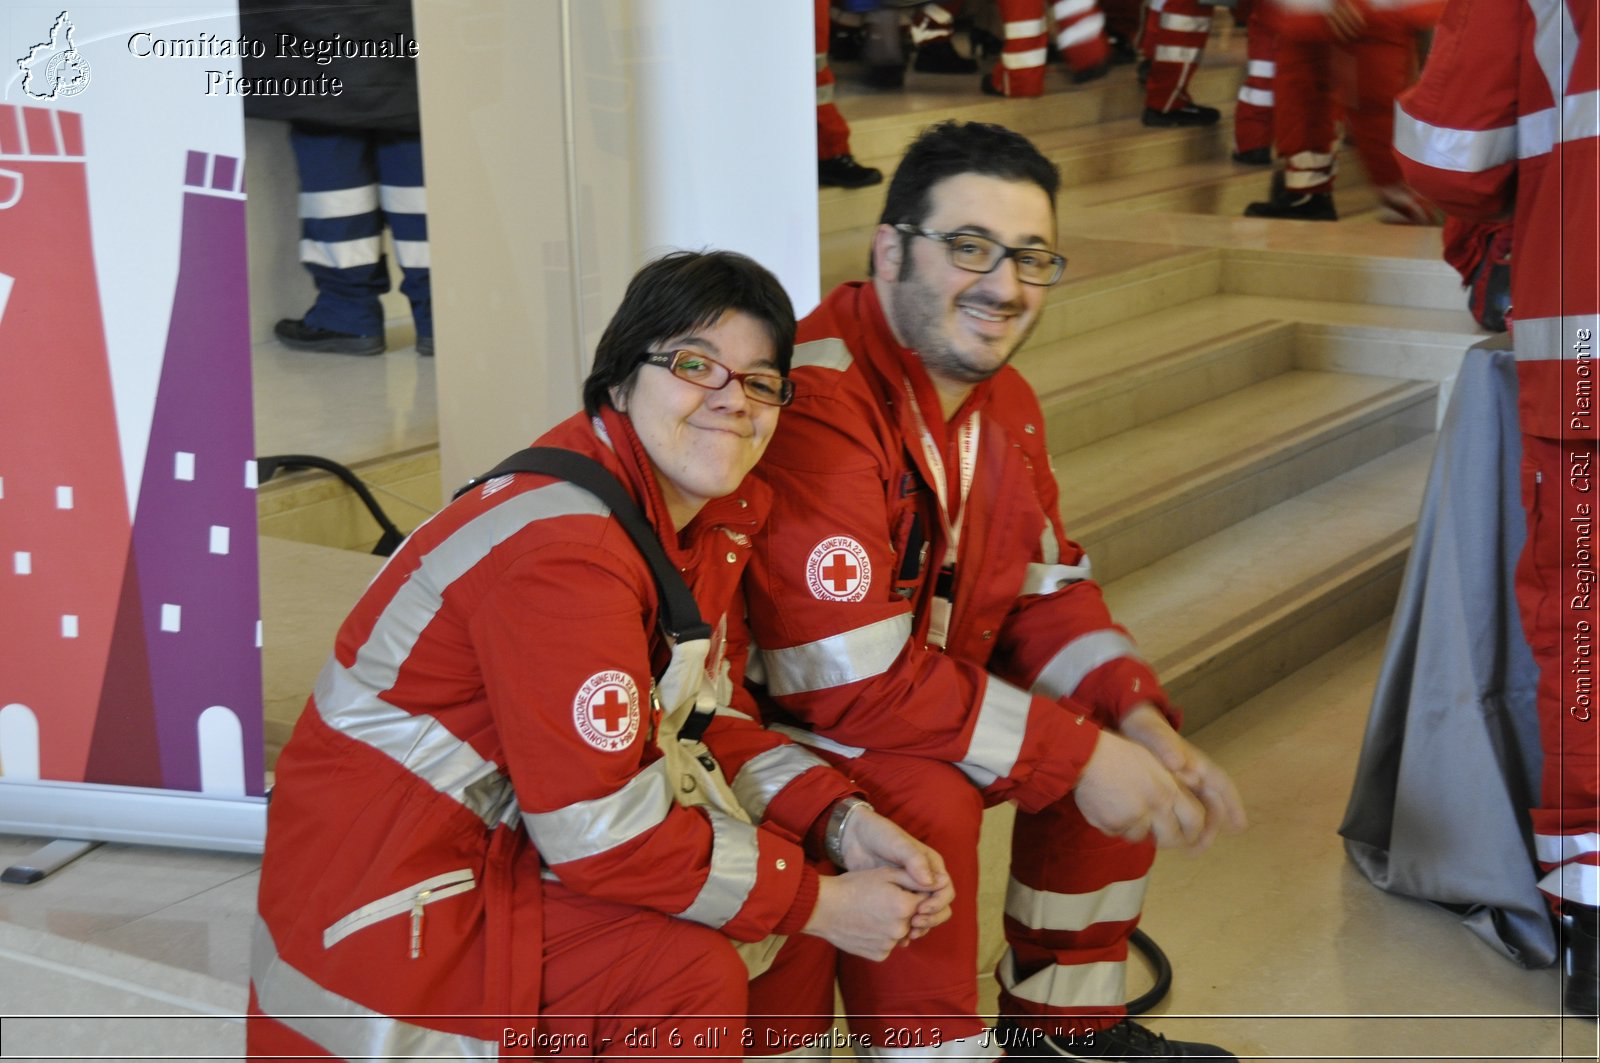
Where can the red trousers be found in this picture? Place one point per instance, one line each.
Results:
(1080, 37)
(1073, 900)
(1252, 116)
(1556, 595)
(1315, 78)
(1175, 39)
(833, 132)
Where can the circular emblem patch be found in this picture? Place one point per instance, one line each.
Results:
(606, 711)
(838, 570)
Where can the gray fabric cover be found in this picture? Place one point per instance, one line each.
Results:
(1450, 761)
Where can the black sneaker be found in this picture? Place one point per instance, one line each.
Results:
(1189, 114)
(1580, 959)
(425, 346)
(987, 86)
(1254, 156)
(941, 57)
(1127, 1040)
(1295, 206)
(843, 171)
(296, 334)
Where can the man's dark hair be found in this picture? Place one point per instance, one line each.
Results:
(952, 148)
(679, 293)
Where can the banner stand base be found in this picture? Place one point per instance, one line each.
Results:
(46, 861)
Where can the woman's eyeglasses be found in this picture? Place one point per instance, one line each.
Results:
(706, 372)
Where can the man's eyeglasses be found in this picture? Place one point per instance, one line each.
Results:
(979, 254)
(708, 373)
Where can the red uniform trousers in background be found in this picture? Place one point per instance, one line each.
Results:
(1175, 39)
(1253, 114)
(833, 132)
(1080, 37)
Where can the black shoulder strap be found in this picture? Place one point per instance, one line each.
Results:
(680, 616)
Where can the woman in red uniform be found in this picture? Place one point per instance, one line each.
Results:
(474, 845)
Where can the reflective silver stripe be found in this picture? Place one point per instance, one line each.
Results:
(1046, 579)
(765, 775)
(589, 828)
(1558, 848)
(997, 738)
(340, 1026)
(1065, 9)
(1310, 160)
(339, 202)
(349, 700)
(816, 741)
(1555, 43)
(847, 657)
(1293, 178)
(1574, 882)
(1539, 339)
(734, 851)
(1456, 150)
(412, 254)
(830, 353)
(419, 742)
(1185, 23)
(437, 888)
(1049, 548)
(1256, 97)
(1042, 910)
(977, 1047)
(1077, 33)
(1074, 661)
(1262, 68)
(822, 61)
(1578, 119)
(403, 199)
(825, 94)
(1034, 57)
(341, 254)
(1023, 28)
(1084, 985)
(937, 14)
(1168, 53)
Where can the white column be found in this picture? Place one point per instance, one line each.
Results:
(567, 141)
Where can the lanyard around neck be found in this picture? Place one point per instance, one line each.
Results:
(967, 454)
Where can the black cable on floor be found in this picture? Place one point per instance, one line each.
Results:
(1163, 968)
(267, 468)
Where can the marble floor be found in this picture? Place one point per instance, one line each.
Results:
(1281, 950)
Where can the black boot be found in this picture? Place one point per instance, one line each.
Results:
(296, 334)
(1580, 959)
(1126, 1041)
(1283, 202)
(941, 57)
(843, 171)
(1187, 113)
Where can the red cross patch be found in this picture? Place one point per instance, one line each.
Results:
(606, 711)
(838, 570)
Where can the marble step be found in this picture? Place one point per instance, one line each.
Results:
(1137, 497)
(1237, 610)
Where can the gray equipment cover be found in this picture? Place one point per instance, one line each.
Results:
(1450, 762)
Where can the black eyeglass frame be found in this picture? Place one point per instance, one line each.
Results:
(949, 241)
(668, 360)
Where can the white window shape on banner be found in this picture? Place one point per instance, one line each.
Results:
(19, 744)
(221, 752)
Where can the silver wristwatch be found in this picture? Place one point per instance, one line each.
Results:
(833, 837)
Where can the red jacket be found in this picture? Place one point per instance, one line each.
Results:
(1483, 134)
(486, 718)
(840, 594)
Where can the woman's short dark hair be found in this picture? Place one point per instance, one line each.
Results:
(679, 293)
(952, 148)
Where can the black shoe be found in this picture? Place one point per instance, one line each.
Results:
(425, 346)
(941, 57)
(1091, 74)
(1142, 71)
(1295, 206)
(1580, 959)
(1122, 52)
(843, 171)
(1254, 157)
(891, 76)
(1190, 114)
(987, 87)
(1127, 1040)
(296, 334)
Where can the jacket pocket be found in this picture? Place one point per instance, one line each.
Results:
(412, 901)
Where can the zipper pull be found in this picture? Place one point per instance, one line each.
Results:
(416, 922)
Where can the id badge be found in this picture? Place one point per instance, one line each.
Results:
(938, 621)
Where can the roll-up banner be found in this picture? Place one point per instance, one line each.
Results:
(130, 665)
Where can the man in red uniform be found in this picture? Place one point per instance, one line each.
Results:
(1505, 119)
(926, 624)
